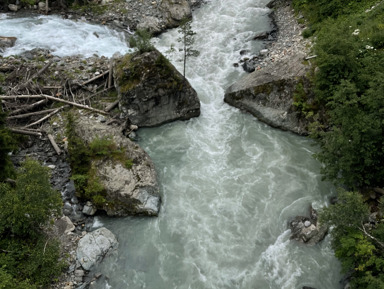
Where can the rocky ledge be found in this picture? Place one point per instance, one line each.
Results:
(268, 92)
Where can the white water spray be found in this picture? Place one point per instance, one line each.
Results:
(62, 37)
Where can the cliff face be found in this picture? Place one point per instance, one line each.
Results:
(268, 94)
(152, 91)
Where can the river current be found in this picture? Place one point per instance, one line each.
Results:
(229, 183)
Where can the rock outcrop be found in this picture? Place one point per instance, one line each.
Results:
(268, 94)
(175, 11)
(94, 246)
(280, 76)
(307, 230)
(129, 190)
(152, 92)
(6, 42)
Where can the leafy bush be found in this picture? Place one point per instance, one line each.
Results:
(349, 84)
(141, 40)
(28, 258)
(319, 10)
(6, 146)
(25, 208)
(349, 87)
(360, 253)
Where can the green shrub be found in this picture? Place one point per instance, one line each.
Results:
(79, 156)
(6, 146)
(129, 164)
(142, 41)
(360, 253)
(28, 258)
(25, 208)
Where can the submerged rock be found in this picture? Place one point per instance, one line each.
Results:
(6, 42)
(131, 188)
(152, 92)
(307, 229)
(94, 246)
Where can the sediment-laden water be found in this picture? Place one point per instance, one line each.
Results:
(229, 183)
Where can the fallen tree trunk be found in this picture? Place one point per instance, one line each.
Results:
(54, 99)
(25, 131)
(54, 144)
(31, 114)
(45, 117)
(29, 107)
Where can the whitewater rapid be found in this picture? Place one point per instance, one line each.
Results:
(63, 37)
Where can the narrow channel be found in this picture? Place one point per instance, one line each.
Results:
(229, 183)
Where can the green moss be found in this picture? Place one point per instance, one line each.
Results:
(129, 164)
(127, 73)
(131, 69)
(82, 156)
(91, 8)
(266, 88)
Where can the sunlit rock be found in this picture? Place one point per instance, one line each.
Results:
(94, 246)
(130, 182)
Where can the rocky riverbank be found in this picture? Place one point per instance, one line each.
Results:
(69, 78)
(280, 73)
(154, 15)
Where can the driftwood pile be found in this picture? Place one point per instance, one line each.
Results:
(29, 103)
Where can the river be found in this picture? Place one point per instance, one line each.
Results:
(229, 183)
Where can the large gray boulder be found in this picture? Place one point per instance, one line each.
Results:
(268, 94)
(94, 246)
(6, 42)
(151, 91)
(175, 11)
(151, 24)
(129, 190)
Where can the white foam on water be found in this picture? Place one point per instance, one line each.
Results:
(62, 37)
(278, 266)
(97, 223)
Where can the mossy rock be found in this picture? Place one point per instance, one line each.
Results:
(151, 90)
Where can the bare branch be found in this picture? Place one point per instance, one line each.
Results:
(29, 107)
(364, 231)
(45, 117)
(54, 144)
(24, 131)
(54, 99)
(31, 114)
